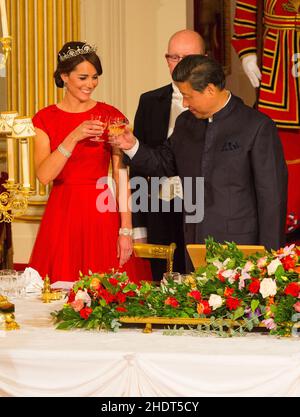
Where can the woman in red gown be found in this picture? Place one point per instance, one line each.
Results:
(79, 232)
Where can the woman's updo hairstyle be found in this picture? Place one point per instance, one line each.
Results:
(72, 54)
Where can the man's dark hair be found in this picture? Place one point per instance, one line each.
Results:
(199, 71)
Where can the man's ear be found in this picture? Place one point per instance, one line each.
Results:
(211, 89)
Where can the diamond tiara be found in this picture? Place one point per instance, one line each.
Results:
(86, 49)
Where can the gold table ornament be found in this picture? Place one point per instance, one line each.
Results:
(7, 317)
(48, 294)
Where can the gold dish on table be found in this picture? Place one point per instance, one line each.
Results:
(7, 317)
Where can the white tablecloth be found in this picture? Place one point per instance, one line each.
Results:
(38, 360)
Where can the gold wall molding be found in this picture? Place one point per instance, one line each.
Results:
(39, 28)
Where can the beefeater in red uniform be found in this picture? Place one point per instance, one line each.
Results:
(278, 79)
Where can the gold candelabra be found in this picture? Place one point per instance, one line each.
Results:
(6, 46)
(14, 201)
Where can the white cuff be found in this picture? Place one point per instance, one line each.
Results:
(131, 152)
(140, 233)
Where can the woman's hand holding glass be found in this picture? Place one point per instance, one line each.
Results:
(104, 121)
(87, 129)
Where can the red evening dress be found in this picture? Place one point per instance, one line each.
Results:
(74, 236)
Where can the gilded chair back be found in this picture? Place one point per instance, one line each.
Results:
(155, 251)
(197, 252)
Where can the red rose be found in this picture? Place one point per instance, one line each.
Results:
(121, 309)
(71, 296)
(237, 276)
(120, 297)
(172, 301)
(86, 312)
(254, 286)
(292, 289)
(196, 295)
(203, 307)
(288, 262)
(221, 277)
(130, 294)
(108, 297)
(233, 303)
(113, 281)
(228, 292)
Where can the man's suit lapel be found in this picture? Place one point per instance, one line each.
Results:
(162, 114)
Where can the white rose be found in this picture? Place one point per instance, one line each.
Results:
(221, 265)
(218, 264)
(273, 266)
(83, 295)
(215, 301)
(268, 287)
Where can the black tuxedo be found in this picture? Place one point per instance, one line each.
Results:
(239, 154)
(151, 126)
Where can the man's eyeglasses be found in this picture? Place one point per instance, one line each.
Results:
(174, 58)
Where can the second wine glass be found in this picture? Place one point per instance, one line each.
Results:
(116, 126)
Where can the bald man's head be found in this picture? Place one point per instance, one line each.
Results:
(183, 43)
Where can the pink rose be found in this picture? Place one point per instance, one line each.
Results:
(270, 324)
(297, 306)
(262, 262)
(77, 305)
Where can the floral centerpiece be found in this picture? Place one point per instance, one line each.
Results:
(262, 289)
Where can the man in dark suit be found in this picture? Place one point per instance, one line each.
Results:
(153, 125)
(237, 151)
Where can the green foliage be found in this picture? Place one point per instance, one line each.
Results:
(229, 287)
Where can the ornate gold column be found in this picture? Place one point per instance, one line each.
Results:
(31, 85)
(12, 75)
(8, 63)
(23, 49)
(59, 35)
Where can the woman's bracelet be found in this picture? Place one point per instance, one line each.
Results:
(124, 231)
(64, 151)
